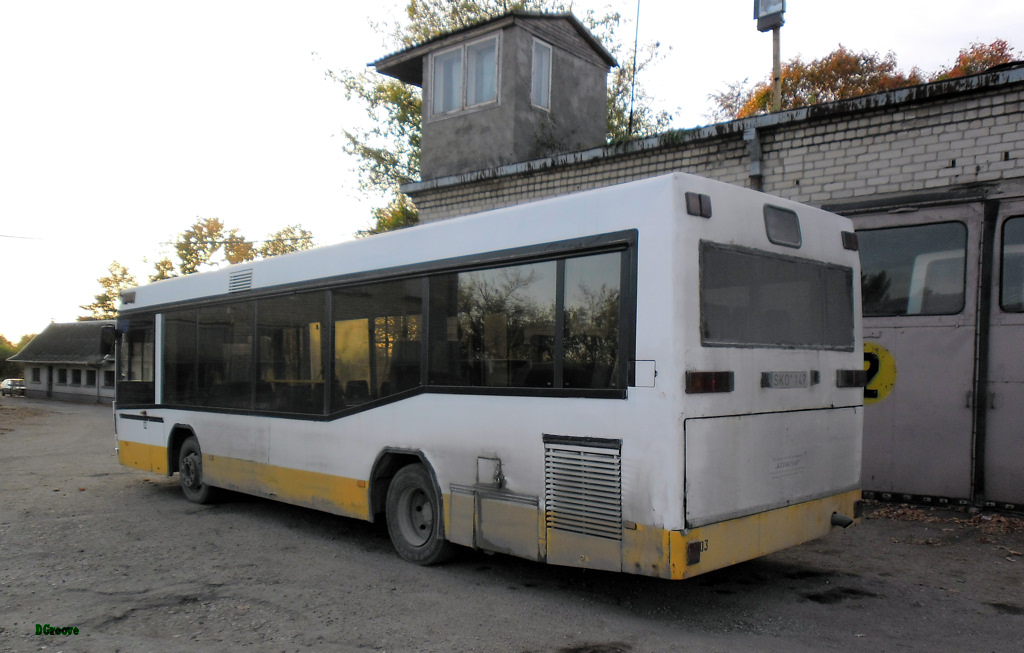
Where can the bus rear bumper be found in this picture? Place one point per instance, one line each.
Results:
(719, 545)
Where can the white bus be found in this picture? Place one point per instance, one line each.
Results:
(662, 377)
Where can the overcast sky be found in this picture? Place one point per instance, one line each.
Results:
(123, 122)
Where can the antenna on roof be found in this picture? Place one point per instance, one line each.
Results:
(632, 84)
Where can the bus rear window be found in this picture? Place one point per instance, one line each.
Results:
(755, 299)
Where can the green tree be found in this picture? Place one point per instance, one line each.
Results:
(290, 239)
(105, 305)
(398, 214)
(8, 349)
(389, 151)
(844, 74)
(630, 114)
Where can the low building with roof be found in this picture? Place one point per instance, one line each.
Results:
(71, 362)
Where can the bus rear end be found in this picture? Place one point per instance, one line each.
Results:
(772, 381)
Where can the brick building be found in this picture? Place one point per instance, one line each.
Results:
(927, 143)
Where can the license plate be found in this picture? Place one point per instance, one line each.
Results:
(785, 380)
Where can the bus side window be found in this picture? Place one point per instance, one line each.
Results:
(225, 356)
(290, 368)
(376, 331)
(592, 298)
(498, 327)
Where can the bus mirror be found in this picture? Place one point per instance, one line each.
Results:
(108, 334)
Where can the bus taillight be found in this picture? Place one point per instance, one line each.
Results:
(702, 382)
(851, 378)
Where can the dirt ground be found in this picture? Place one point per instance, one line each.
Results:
(120, 555)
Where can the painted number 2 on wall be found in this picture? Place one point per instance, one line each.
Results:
(881, 372)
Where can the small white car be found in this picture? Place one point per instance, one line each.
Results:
(12, 387)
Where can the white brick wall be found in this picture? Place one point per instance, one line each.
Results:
(940, 136)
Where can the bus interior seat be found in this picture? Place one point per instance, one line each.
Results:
(357, 390)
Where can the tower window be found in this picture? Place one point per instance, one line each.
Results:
(465, 76)
(540, 88)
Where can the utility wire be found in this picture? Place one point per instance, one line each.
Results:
(632, 89)
(253, 242)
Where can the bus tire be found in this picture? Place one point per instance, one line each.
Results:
(190, 473)
(414, 517)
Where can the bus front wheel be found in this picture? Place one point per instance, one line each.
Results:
(414, 517)
(190, 473)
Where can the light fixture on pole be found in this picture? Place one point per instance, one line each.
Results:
(769, 17)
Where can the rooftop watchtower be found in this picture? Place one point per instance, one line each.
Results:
(510, 89)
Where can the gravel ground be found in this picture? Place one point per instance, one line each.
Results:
(120, 555)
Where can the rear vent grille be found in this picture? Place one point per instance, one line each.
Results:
(240, 280)
(583, 486)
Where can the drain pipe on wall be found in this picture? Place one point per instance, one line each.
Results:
(753, 140)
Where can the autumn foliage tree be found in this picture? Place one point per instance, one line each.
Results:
(844, 74)
(292, 238)
(206, 243)
(977, 58)
(206, 238)
(163, 269)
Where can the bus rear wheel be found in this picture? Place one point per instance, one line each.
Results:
(414, 517)
(190, 473)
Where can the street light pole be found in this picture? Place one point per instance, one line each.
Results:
(776, 70)
(769, 15)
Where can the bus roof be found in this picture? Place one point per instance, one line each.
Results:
(578, 215)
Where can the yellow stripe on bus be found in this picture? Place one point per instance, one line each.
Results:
(348, 497)
(147, 457)
(737, 540)
(334, 494)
